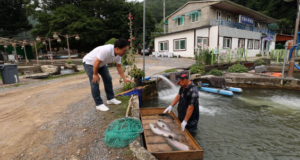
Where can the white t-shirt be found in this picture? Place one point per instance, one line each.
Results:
(105, 54)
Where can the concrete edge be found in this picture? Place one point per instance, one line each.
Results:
(135, 146)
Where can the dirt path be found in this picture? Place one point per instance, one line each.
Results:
(57, 119)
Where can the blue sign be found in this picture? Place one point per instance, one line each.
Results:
(246, 20)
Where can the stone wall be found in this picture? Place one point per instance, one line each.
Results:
(247, 80)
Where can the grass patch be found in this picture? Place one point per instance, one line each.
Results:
(128, 152)
(121, 112)
(170, 70)
(64, 76)
(17, 85)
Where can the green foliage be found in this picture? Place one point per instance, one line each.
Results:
(111, 41)
(0, 76)
(94, 21)
(272, 54)
(128, 86)
(170, 70)
(202, 54)
(258, 55)
(197, 69)
(259, 62)
(216, 72)
(136, 72)
(13, 18)
(69, 62)
(237, 68)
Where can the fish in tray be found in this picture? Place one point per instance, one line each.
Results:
(163, 125)
(163, 132)
(175, 145)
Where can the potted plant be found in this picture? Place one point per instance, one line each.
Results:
(138, 75)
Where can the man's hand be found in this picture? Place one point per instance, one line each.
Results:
(169, 109)
(183, 124)
(96, 78)
(127, 80)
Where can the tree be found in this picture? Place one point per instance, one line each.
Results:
(70, 20)
(13, 18)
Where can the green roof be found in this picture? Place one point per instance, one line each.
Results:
(177, 17)
(194, 12)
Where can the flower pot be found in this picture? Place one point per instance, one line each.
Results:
(138, 81)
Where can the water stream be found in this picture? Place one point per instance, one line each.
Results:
(257, 124)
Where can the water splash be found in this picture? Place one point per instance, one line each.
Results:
(168, 93)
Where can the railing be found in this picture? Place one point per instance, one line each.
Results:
(222, 22)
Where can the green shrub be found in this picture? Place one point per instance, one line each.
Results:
(216, 72)
(69, 62)
(259, 62)
(237, 68)
(111, 41)
(0, 76)
(170, 70)
(258, 55)
(197, 69)
(128, 86)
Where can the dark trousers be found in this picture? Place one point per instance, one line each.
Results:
(106, 78)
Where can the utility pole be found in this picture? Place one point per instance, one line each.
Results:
(292, 62)
(144, 26)
(164, 17)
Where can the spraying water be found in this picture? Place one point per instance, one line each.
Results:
(171, 92)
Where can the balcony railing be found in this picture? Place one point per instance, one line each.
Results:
(222, 22)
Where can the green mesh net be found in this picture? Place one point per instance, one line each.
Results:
(121, 132)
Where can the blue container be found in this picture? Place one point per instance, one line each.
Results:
(217, 91)
(237, 90)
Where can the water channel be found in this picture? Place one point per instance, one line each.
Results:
(257, 124)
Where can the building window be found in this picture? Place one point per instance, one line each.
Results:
(180, 21)
(256, 44)
(195, 17)
(237, 19)
(219, 14)
(163, 46)
(180, 44)
(250, 44)
(228, 18)
(226, 42)
(202, 40)
(241, 43)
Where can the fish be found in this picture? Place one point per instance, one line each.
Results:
(163, 132)
(175, 145)
(163, 125)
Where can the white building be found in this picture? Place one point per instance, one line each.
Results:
(216, 23)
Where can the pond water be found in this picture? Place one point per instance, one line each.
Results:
(256, 124)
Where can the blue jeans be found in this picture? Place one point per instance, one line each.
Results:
(103, 71)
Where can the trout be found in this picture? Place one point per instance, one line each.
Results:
(175, 145)
(163, 132)
(163, 125)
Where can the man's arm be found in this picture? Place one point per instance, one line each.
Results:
(189, 113)
(121, 72)
(96, 76)
(176, 100)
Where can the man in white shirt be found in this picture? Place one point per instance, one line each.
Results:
(95, 64)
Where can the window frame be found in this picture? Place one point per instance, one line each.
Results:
(159, 49)
(202, 40)
(174, 45)
(256, 40)
(195, 18)
(218, 14)
(230, 42)
(239, 42)
(227, 18)
(180, 21)
(248, 44)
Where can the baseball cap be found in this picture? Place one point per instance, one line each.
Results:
(181, 76)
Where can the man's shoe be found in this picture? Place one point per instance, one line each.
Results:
(102, 107)
(113, 101)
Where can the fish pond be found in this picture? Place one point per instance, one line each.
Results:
(256, 124)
